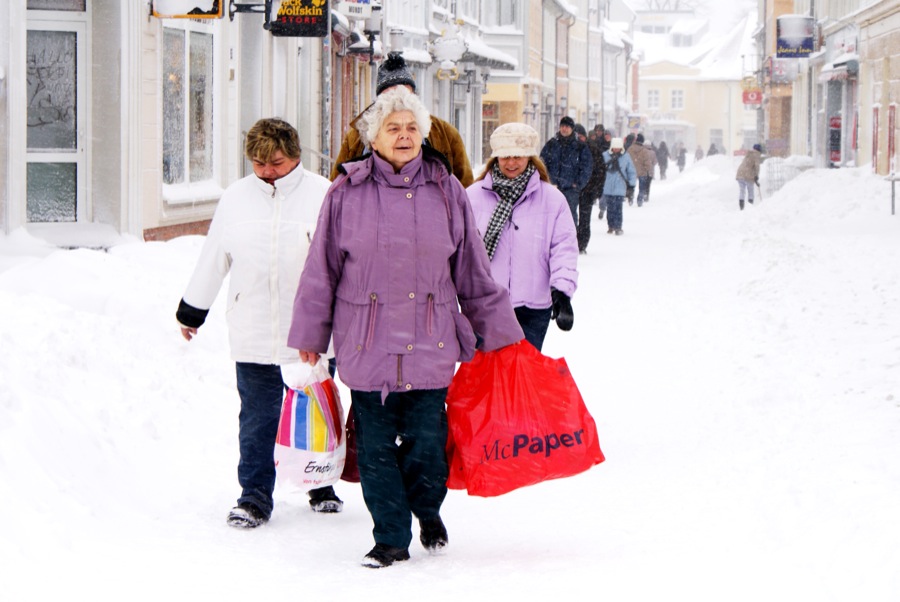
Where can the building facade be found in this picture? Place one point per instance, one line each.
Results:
(126, 120)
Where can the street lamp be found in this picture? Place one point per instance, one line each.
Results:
(372, 27)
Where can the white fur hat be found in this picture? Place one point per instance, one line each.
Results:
(616, 144)
(514, 140)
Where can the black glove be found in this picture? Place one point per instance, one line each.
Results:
(756, 181)
(561, 311)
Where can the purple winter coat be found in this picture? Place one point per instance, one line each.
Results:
(393, 259)
(540, 251)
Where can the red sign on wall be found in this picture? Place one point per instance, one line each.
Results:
(753, 96)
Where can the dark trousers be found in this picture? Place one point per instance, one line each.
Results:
(534, 323)
(261, 390)
(644, 190)
(585, 205)
(614, 211)
(402, 459)
(572, 196)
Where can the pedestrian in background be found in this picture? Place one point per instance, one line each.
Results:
(620, 173)
(442, 137)
(568, 161)
(662, 158)
(259, 237)
(748, 174)
(593, 191)
(527, 232)
(644, 160)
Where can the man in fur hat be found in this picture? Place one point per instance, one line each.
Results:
(443, 137)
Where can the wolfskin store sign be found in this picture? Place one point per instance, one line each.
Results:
(188, 9)
(299, 18)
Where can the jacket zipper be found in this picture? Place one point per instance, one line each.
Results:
(373, 304)
(429, 314)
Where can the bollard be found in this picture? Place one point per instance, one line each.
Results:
(893, 179)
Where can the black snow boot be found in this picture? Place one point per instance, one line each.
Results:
(433, 534)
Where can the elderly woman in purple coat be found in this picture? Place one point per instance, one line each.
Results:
(394, 258)
(528, 232)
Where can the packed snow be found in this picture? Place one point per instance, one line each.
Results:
(743, 368)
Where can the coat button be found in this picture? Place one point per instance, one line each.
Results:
(441, 345)
(406, 179)
(409, 347)
(409, 195)
(412, 295)
(408, 386)
(359, 347)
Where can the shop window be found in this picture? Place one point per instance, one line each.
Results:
(187, 105)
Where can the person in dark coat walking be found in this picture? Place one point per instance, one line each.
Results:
(681, 157)
(662, 158)
(569, 163)
(593, 190)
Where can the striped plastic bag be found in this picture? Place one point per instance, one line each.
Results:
(310, 446)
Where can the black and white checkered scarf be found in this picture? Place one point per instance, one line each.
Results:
(509, 191)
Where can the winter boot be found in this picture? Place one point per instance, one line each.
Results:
(741, 203)
(433, 534)
(383, 555)
(246, 516)
(325, 500)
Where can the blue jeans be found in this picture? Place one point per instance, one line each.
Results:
(407, 478)
(261, 390)
(643, 190)
(534, 323)
(614, 211)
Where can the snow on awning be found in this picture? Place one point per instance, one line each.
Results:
(481, 54)
(416, 56)
(843, 67)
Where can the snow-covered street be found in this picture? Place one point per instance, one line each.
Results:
(743, 368)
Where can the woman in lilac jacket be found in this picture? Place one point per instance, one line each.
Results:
(394, 258)
(528, 232)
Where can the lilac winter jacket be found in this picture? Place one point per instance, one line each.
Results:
(393, 259)
(538, 248)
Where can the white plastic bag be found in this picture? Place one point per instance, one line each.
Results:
(310, 447)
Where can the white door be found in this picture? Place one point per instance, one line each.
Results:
(56, 171)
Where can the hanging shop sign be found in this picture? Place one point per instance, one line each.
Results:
(795, 36)
(358, 9)
(753, 96)
(299, 18)
(188, 9)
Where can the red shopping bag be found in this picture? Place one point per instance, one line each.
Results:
(516, 418)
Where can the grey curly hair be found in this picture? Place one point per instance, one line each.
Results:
(398, 98)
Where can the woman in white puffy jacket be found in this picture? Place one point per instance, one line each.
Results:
(260, 235)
